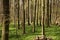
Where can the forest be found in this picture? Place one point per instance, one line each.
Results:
(29, 19)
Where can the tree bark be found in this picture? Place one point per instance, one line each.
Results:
(28, 13)
(40, 12)
(5, 28)
(34, 16)
(37, 10)
(47, 13)
(50, 10)
(23, 21)
(18, 14)
(43, 15)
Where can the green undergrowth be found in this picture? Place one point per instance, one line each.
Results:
(16, 34)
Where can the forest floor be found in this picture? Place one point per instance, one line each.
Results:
(51, 32)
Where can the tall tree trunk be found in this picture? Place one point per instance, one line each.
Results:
(37, 10)
(50, 10)
(31, 12)
(56, 11)
(47, 13)
(28, 13)
(34, 16)
(18, 14)
(15, 12)
(40, 12)
(5, 28)
(23, 21)
(43, 15)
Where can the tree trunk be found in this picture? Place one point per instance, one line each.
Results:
(5, 28)
(47, 13)
(31, 12)
(34, 16)
(37, 10)
(43, 15)
(50, 10)
(40, 12)
(28, 13)
(23, 21)
(56, 12)
(18, 14)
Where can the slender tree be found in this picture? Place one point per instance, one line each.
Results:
(40, 12)
(31, 11)
(43, 15)
(47, 13)
(50, 10)
(34, 16)
(56, 11)
(28, 13)
(5, 28)
(23, 21)
(15, 22)
(37, 10)
(14, 14)
(18, 14)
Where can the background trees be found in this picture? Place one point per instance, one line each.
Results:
(31, 12)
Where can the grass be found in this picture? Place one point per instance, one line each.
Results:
(51, 32)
